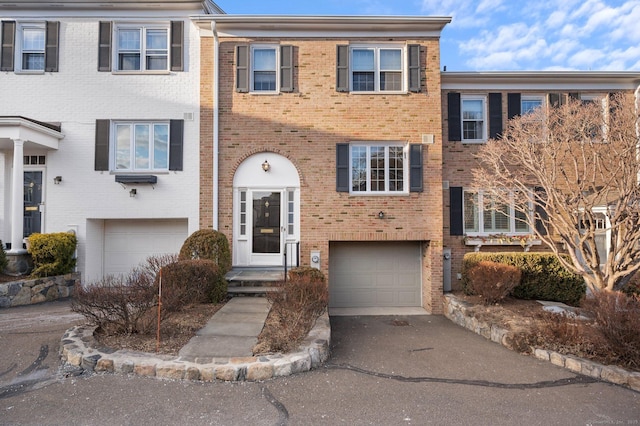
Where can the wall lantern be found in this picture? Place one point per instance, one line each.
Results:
(266, 166)
(381, 215)
(133, 192)
(57, 180)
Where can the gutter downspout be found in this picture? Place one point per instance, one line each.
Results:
(216, 139)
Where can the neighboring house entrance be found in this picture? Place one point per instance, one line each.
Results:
(266, 199)
(375, 274)
(32, 202)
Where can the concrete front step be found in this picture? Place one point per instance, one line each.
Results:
(249, 290)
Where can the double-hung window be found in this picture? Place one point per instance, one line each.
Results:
(377, 69)
(529, 104)
(140, 48)
(484, 214)
(264, 68)
(474, 117)
(29, 47)
(141, 146)
(32, 46)
(378, 169)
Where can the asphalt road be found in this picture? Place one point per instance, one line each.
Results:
(383, 371)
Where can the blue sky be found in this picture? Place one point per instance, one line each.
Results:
(501, 35)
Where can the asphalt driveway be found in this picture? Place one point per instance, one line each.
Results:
(384, 370)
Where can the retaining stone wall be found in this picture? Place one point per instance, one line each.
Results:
(32, 291)
(458, 311)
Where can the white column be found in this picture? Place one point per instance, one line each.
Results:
(17, 197)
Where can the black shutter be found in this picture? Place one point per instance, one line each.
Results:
(415, 168)
(495, 115)
(414, 68)
(540, 211)
(342, 68)
(342, 167)
(514, 107)
(556, 99)
(286, 68)
(104, 47)
(51, 49)
(177, 42)
(101, 160)
(456, 225)
(453, 116)
(8, 45)
(176, 135)
(242, 68)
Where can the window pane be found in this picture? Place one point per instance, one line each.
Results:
(472, 109)
(362, 60)
(156, 40)
(470, 212)
(520, 225)
(156, 63)
(377, 168)
(123, 147)
(264, 80)
(129, 39)
(390, 60)
(472, 129)
(33, 61)
(129, 61)
(496, 218)
(358, 168)
(391, 81)
(264, 59)
(142, 146)
(363, 81)
(160, 146)
(529, 105)
(33, 39)
(396, 168)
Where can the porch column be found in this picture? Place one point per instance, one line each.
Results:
(17, 197)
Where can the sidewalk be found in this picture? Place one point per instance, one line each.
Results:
(231, 332)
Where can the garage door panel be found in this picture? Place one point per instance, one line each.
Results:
(385, 274)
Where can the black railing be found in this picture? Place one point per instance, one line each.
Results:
(291, 249)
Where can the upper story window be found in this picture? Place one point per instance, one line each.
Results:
(264, 68)
(154, 47)
(474, 116)
(529, 104)
(378, 68)
(29, 47)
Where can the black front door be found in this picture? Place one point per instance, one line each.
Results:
(32, 202)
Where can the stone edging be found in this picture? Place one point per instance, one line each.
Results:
(79, 348)
(32, 291)
(457, 311)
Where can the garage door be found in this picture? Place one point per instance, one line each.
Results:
(127, 243)
(374, 275)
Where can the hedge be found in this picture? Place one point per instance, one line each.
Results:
(53, 254)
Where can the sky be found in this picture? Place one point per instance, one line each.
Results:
(501, 35)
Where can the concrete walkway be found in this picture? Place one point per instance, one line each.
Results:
(231, 332)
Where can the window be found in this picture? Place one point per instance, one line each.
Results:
(31, 46)
(139, 146)
(378, 169)
(529, 104)
(264, 68)
(473, 119)
(141, 48)
(483, 214)
(383, 68)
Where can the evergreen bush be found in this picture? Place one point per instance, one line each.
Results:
(53, 254)
(208, 244)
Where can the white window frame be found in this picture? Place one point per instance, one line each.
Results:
(483, 137)
(143, 51)
(368, 171)
(376, 48)
(20, 51)
(133, 167)
(276, 49)
(528, 98)
(479, 211)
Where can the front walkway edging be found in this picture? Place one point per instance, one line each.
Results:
(458, 311)
(80, 349)
(30, 291)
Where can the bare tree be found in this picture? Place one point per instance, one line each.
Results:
(571, 172)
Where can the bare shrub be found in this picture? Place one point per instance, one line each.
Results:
(296, 304)
(191, 281)
(118, 304)
(617, 316)
(493, 281)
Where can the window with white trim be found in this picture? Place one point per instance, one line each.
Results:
(483, 214)
(264, 76)
(377, 169)
(474, 118)
(529, 104)
(142, 48)
(140, 146)
(377, 69)
(31, 46)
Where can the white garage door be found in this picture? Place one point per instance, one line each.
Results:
(379, 274)
(127, 243)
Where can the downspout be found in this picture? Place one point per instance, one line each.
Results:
(637, 109)
(216, 118)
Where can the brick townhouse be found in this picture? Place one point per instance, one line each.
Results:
(328, 133)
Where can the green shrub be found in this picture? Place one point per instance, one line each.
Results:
(3, 258)
(633, 286)
(52, 253)
(191, 281)
(493, 281)
(208, 244)
(314, 274)
(543, 277)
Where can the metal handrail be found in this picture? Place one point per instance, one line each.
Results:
(293, 244)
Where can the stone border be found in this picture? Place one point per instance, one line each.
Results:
(79, 348)
(457, 311)
(32, 291)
